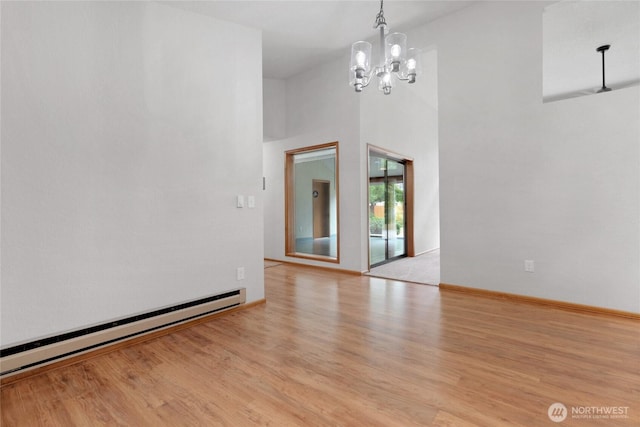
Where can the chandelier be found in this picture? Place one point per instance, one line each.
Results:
(394, 60)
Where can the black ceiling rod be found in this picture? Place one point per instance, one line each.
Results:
(603, 49)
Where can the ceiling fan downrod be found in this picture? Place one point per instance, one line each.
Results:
(603, 49)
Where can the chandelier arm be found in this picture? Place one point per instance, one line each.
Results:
(368, 78)
(400, 77)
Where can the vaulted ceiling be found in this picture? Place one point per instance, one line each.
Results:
(298, 35)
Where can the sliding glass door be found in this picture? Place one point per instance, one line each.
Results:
(387, 222)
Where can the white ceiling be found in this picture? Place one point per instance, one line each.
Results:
(571, 33)
(298, 35)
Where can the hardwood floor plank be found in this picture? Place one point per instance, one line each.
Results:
(330, 348)
(444, 419)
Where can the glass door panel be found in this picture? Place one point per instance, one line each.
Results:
(386, 209)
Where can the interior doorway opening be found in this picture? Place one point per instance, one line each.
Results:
(390, 207)
(321, 208)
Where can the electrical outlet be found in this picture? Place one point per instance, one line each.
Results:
(240, 273)
(529, 266)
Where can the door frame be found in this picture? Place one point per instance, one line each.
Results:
(408, 197)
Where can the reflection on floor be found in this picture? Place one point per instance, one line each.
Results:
(378, 247)
(325, 246)
(423, 268)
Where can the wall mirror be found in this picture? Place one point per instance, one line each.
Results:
(311, 202)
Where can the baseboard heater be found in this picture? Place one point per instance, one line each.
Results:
(44, 351)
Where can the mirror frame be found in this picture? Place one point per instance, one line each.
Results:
(290, 222)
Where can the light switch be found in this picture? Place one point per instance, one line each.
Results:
(251, 202)
(240, 201)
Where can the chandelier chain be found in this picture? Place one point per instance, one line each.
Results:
(380, 21)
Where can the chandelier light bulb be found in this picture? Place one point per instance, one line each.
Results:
(385, 83)
(395, 45)
(360, 65)
(361, 57)
(396, 50)
(412, 66)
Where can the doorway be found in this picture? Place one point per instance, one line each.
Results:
(390, 235)
(321, 208)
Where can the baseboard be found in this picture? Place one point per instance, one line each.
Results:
(428, 251)
(563, 305)
(12, 377)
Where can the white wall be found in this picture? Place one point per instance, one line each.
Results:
(124, 143)
(557, 183)
(275, 109)
(321, 108)
(406, 122)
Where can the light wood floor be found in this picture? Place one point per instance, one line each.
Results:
(337, 349)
